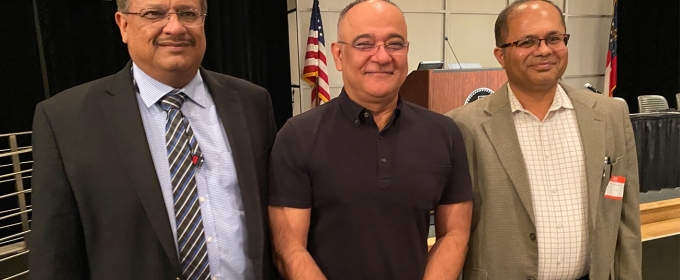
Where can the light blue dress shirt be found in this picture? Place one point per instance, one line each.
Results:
(218, 191)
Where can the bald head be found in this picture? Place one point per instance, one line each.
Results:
(501, 27)
(365, 5)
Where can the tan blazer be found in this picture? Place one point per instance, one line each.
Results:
(503, 241)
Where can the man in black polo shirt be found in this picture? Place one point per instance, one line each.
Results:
(353, 182)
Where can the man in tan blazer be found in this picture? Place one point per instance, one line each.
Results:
(554, 169)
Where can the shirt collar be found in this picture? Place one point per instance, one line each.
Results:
(151, 90)
(359, 115)
(561, 100)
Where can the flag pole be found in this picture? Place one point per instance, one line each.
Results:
(316, 95)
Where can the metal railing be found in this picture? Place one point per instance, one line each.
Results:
(15, 209)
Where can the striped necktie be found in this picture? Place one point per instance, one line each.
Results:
(184, 155)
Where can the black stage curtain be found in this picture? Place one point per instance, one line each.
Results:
(21, 84)
(249, 39)
(246, 38)
(649, 50)
(81, 40)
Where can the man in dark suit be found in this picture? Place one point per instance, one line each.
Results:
(158, 171)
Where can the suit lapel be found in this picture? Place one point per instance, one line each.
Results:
(127, 130)
(230, 111)
(501, 132)
(592, 127)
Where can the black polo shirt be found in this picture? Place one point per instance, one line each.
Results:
(370, 191)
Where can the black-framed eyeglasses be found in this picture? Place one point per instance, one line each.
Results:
(555, 42)
(188, 17)
(372, 48)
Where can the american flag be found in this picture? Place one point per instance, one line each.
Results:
(610, 70)
(315, 72)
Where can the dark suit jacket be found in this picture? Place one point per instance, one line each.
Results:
(98, 211)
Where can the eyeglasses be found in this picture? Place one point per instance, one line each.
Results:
(371, 48)
(554, 42)
(188, 17)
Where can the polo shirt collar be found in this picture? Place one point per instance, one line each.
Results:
(359, 115)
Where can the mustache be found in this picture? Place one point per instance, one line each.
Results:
(182, 41)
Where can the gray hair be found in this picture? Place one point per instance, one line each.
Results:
(123, 5)
(351, 5)
(501, 28)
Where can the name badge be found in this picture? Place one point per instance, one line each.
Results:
(615, 188)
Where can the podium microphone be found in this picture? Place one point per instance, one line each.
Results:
(592, 88)
(446, 38)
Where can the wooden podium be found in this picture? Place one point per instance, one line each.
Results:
(444, 89)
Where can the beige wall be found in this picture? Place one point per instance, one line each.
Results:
(469, 26)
